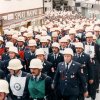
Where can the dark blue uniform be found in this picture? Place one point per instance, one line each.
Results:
(84, 60)
(54, 61)
(28, 56)
(66, 81)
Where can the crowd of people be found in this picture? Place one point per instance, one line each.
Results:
(59, 60)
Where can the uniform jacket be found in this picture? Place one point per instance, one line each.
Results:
(85, 61)
(57, 61)
(47, 68)
(66, 82)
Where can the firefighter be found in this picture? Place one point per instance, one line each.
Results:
(39, 85)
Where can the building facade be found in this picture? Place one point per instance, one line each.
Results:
(16, 13)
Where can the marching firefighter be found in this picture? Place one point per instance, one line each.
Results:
(47, 66)
(30, 54)
(39, 85)
(67, 78)
(18, 81)
(91, 48)
(55, 57)
(87, 69)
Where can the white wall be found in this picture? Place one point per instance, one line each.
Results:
(16, 5)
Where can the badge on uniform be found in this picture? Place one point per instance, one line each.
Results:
(72, 76)
(82, 71)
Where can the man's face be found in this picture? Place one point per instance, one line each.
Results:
(72, 36)
(67, 58)
(32, 48)
(41, 57)
(13, 72)
(12, 55)
(55, 50)
(20, 43)
(2, 96)
(55, 39)
(63, 44)
(35, 71)
(79, 50)
(89, 39)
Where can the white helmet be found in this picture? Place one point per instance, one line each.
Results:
(25, 34)
(38, 36)
(79, 45)
(63, 39)
(48, 37)
(72, 31)
(68, 51)
(44, 33)
(15, 64)
(43, 39)
(32, 43)
(39, 52)
(30, 34)
(23, 29)
(9, 44)
(94, 37)
(21, 39)
(15, 36)
(89, 34)
(1, 38)
(36, 63)
(56, 44)
(13, 49)
(54, 34)
(96, 28)
(4, 86)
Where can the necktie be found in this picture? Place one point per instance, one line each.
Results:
(35, 78)
(55, 57)
(79, 55)
(66, 66)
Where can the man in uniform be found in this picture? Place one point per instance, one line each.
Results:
(39, 85)
(18, 81)
(91, 49)
(30, 54)
(67, 78)
(87, 69)
(55, 57)
(47, 66)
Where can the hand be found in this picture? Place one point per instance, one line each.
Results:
(86, 94)
(52, 69)
(91, 81)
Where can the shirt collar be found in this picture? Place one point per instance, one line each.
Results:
(20, 74)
